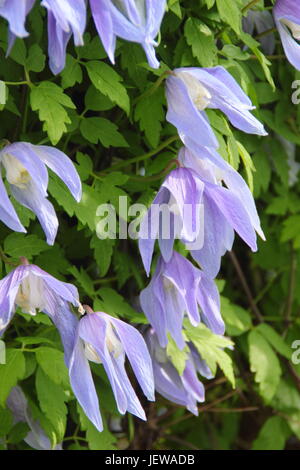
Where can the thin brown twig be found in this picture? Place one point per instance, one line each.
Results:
(233, 410)
(291, 290)
(201, 409)
(245, 286)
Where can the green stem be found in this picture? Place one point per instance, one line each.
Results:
(265, 33)
(249, 5)
(155, 177)
(154, 87)
(145, 156)
(24, 82)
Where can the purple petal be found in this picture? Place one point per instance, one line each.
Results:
(103, 22)
(149, 228)
(209, 301)
(218, 237)
(93, 330)
(234, 212)
(8, 214)
(15, 13)
(25, 153)
(184, 115)
(70, 15)
(8, 291)
(62, 166)
(57, 44)
(33, 199)
(152, 303)
(138, 355)
(187, 191)
(83, 386)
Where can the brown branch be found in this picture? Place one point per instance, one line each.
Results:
(245, 286)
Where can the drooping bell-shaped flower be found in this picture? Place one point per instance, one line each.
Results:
(15, 12)
(101, 338)
(65, 18)
(191, 90)
(174, 213)
(226, 208)
(26, 172)
(133, 20)
(177, 289)
(36, 437)
(287, 18)
(185, 389)
(261, 21)
(34, 290)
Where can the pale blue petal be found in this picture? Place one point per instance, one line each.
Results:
(63, 166)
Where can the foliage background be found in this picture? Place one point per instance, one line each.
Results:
(111, 122)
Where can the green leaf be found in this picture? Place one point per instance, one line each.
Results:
(230, 13)
(50, 101)
(104, 440)
(265, 364)
(53, 364)
(72, 72)
(11, 372)
(177, 356)
(272, 435)
(18, 244)
(52, 402)
(107, 81)
(96, 129)
(103, 251)
(6, 421)
(201, 40)
(211, 348)
(275, 340)
(237, 319)
(36, 59)
(150, 114)
(18, 433)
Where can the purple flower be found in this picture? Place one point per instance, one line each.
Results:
(32, 289)
(65, 17)
(101, 338)
(191, 90)
(185, 389)
(15, 12)
(225, 209)
(36, 437)
(26, 172)
(174, 213)
(260, 21)
(178, 289)
(133, 20)
(287, 19)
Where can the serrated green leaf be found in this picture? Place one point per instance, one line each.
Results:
(265, 364)
(49, 100)
(108, 82)
(11, 372)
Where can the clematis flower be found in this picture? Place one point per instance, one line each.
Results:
(26, 172)
(101, 338)
(174, 213)
(260, 21)
(287, 18)
(178, 289)
(36, 437)
(34, 290)
(65, 17)
(191, 90)
(133, 20)
(15, 12)
(185, 389)
(225, 209)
